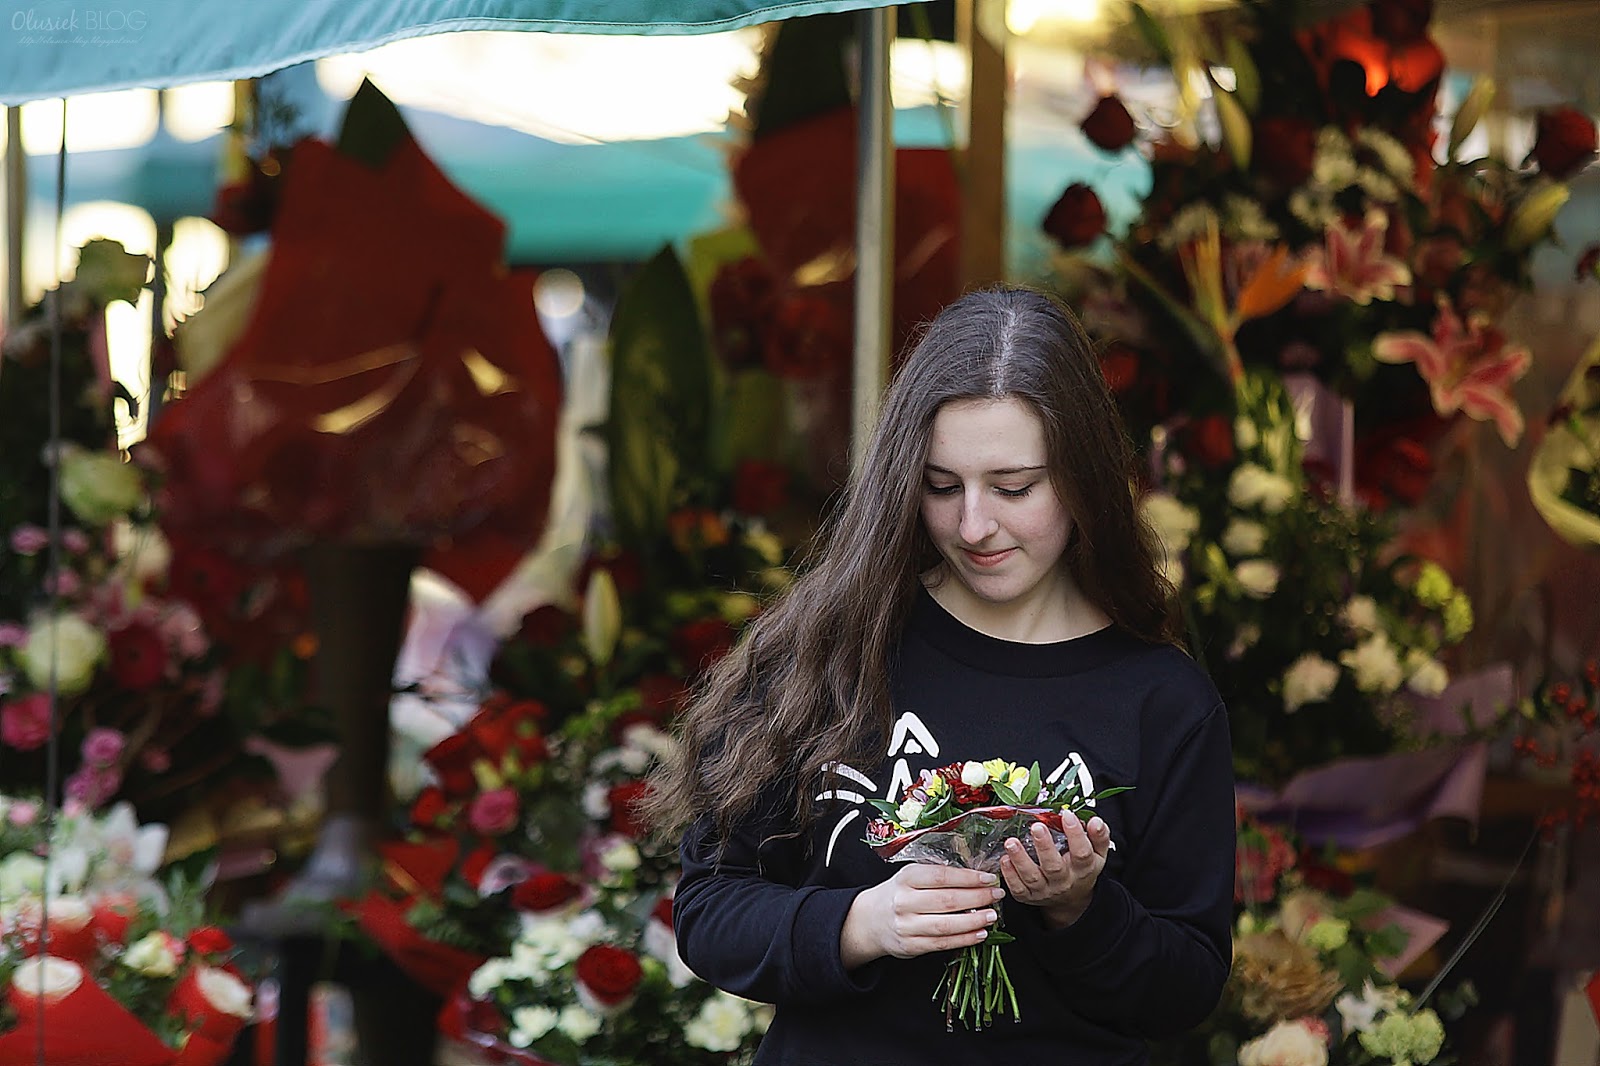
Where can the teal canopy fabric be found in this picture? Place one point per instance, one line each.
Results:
(52, 48)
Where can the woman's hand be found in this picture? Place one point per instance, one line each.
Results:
(921, 909)
(1061, 882)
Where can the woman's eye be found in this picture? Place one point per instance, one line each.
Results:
(943, 490)
(1015, 494)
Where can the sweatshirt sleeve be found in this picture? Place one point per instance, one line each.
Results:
(1151, 954)
(746, 922)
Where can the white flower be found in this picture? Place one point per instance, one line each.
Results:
(550, 941)
(974, 775)
(1254, 486)
(223, 991)
(21, 874)
(531, 1023)
(1375, 664)
(1309, 679)
(56, 978)
(659, 943)
(766, 545)
(1173, 522)
(1359, 1014)
(909, 812)
(577, 1024)
(1258, 577)
(649, 739)
(1244, 537)
(737, 607)
(98, 486)
(1294, 1043)
(1360, 615)
(1245, 434)
(486, 978)
(635, 760)
(720, 1025)
(589, 928)
(1391, 153)
(596, 800)
(1247, 636)
(76, 646)
(1426, 676)
(620, 856)
(142, 550)
(152, 955)
(602, 617)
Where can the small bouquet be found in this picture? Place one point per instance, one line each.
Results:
(962, 815)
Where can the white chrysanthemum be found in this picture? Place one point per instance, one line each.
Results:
(1186, 224)
(620, 856)
(1173, 521)
(578, 1024)
(1392, 155)
(1375, 665)
(1425, 675)
(1360, 615)
(486, 978)
(1254, 486)
(720, 1025)
(531, 1023)
(1377, 185)
(1247, 221)
(596, 801)
(1291, 1043)
(1245, 434)
(1309, 679)
(1257, 577)
(1244, 537)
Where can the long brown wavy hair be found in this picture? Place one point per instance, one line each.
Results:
(808, 684)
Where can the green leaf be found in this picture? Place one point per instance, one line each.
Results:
(1005, 795)
(754, 409)
(660, 398)
(1153, 33)
(885, 806)
(1235, 124)
(1362, 903)
(1246, 79)
(1030, 791)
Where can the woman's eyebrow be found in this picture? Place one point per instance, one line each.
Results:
(932, 469)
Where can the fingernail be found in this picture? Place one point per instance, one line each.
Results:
(998, 893)
(1096, 824)
(1013, 845)
(989, 916)
(983, 934)
(989, 879)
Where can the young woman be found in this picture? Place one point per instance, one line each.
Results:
(985, 590)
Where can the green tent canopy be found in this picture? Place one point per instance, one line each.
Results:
(54, 48)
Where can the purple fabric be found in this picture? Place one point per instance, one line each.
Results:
(1476, 699)
(1331, 422)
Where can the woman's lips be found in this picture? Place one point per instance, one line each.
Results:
(987, 559)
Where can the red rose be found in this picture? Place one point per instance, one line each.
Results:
(1564, 142)
(543, 892)
(810, 338)
(609, 974)
(474, 864)
(429, 808)
(138, 656)
(1109, 126)
(1077, 218)
(1402, 470)
(741, 299)
(1401, 21)
(662, 911)
(1211, 440)
(206, 579)
(547, 626)
(1322, 877)
(661, 694)
(451, 760)
(701, 643)
(1120, 365)
(1285, 150)
(626, 817)
(759, 488)
(209, 940)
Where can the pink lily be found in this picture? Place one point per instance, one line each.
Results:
(1353, 263)
(1468, 366)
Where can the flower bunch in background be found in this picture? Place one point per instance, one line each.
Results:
(1316, 962)
(1306, 218)
(128, 968)
(1314, 632)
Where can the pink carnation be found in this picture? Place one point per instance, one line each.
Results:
(25, 722)
(13, 635)
(494, 812)
(92, 786)
(29, 540)
(103, 747)
(75, 541)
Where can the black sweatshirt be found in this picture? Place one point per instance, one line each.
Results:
(1147, 959)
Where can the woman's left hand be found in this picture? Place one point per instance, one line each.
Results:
(1061, 882)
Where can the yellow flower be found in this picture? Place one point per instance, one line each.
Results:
(1434, 587)
(999, 769)
(1457, 617)
(936, 787)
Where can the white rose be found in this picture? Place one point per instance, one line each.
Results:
(620, 856)
(531, 1023)
(76, 646)
(973, 775)
(223, 991)
(1309, 679)
(1244, 537)
(909, 812)
(1253, 486)
(577, 1024)
(1258, 577)
(152, 956)
(1374, 662)
(21, 874)
(720, 1025)
(1360, 615)
(486, 978)
(143, 550)
(1286, 1044)
(55, 978)
(98, 486)
(1244, 433)
(1173, 522)
(1427, 676)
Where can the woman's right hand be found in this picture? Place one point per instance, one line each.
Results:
(921, 909)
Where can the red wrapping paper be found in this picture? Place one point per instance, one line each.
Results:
(392, 382)
(473, 1022)
(83, 1025)
(439, 968)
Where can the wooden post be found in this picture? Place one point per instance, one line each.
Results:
(981, 33)
(874, 228)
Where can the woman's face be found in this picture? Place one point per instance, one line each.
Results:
(990, 507)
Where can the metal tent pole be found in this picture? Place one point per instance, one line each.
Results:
(874, 227)
(16, 212)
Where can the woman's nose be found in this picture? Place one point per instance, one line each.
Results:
(976, 522)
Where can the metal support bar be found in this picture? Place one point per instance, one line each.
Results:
(16, 213)
(874, 227)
